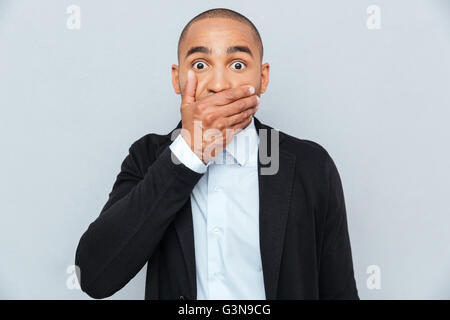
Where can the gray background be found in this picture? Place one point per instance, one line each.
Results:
(73, 101)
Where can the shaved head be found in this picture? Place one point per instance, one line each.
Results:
(221, 13)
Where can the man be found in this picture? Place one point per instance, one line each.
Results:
(210, 222)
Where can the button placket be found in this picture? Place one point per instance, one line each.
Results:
(216, 213)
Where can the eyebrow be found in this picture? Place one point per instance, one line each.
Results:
(230, 50)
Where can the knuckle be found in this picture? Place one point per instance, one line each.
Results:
(206, 120)
(211, 117)
(229, 94)
(201, 107)
(242, 105)
(220, 125)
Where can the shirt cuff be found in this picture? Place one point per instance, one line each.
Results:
(183, 152)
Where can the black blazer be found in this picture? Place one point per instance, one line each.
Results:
(305, 246)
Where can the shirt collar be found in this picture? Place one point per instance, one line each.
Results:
(243, 148)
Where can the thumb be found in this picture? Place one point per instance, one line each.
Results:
(190, 88)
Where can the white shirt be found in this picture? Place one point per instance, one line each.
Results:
(225, 213)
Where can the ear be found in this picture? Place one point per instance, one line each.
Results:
(175, 79)
(265, 68)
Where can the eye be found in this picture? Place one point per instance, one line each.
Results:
(200, 65)
(239, 65)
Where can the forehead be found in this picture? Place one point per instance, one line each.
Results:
(218, 34)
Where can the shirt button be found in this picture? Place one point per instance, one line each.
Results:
(216, 188)
(216, 230)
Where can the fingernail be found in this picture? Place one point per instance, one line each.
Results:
(257, 98)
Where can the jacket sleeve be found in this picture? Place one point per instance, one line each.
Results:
(133, 221)
(336, 267)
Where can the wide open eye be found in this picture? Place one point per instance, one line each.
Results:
(200, 65)
(239, 65)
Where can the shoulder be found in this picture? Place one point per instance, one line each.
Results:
(313, 161)
(304, 149)
(144, 150)
(150, 142)
(314, 166)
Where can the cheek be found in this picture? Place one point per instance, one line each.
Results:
(258, 88)
(256, 81)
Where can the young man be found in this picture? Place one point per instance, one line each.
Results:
(215, 229)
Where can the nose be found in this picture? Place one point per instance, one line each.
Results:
(218, 81)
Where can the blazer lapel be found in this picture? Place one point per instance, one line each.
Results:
(275, 192)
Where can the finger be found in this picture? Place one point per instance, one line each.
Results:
(235, 129)
(240, 117)
(230, 95)
(239, 106)
(190, 88)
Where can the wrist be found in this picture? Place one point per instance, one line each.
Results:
(185, 134)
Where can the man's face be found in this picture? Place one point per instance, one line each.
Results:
(222, 63)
